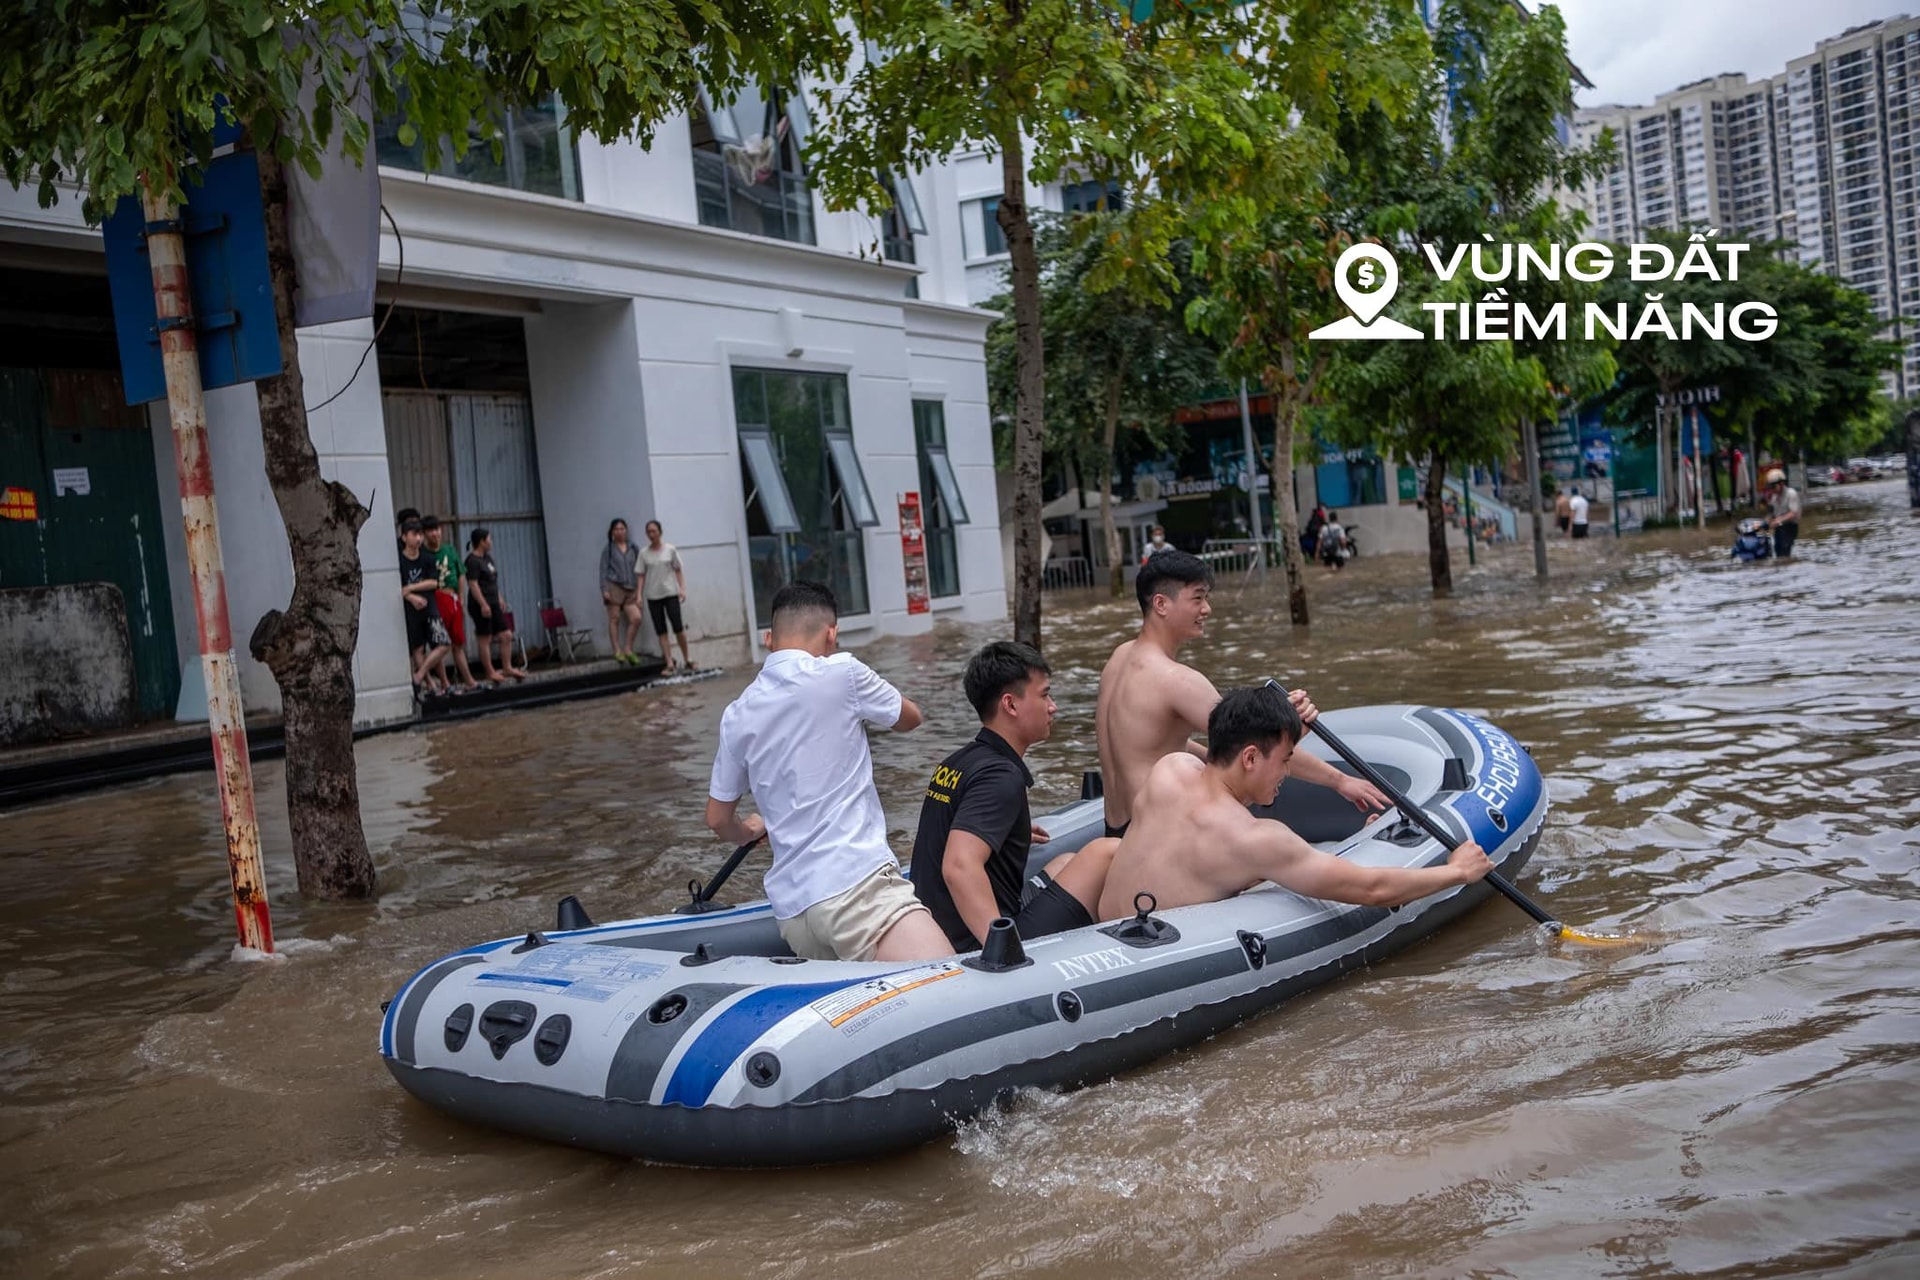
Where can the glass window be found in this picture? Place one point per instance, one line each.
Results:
(901, 223)
(980, 232)
(747, 171)
(940, 502)
(537, 151)
(769, 487)
(806, 497)
(853, 483)
(1092, 197)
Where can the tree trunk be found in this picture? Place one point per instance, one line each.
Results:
(1437, 561)
(1286, 409)
(1530, 442)
(1029, 411)
(1107, 528)
(309, 647)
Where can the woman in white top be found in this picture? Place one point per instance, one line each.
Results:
(665, 590)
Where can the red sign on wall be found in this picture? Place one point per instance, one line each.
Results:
(913, 553)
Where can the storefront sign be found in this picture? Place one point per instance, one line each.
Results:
(19, 504)
(913, 553)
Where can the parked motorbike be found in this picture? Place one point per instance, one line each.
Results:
(1752, 541)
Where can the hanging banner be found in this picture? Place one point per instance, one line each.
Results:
(913, 553)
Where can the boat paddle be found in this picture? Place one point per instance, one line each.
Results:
(1426, 823)
(703, 897)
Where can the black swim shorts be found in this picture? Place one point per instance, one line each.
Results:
(1117, 832)
(1047, 908)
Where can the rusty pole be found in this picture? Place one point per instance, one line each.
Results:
(173, 304)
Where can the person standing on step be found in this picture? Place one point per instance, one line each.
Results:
(666, 591)
(417, 582)
(620, 589)
(450, 570)
(490, 620)
(1577, 513)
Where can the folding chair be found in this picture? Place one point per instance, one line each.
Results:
(571, 643)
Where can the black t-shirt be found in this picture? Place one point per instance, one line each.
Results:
(417, 568)
(980, 789)
(480, 569)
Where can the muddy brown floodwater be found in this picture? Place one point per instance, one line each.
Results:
(1734, 758)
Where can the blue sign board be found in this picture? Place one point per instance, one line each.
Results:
(228, 277)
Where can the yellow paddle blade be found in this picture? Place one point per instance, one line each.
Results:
(1601, 939)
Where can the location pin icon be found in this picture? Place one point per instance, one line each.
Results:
(1366, 278)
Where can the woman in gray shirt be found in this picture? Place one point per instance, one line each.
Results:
(620, 589)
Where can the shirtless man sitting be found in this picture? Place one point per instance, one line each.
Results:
(1193, 839)
(1151, 703)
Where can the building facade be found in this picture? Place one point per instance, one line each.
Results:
(574, 332)
(1822, 155)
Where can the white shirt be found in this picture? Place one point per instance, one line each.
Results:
(1579, 507)
(795, 738)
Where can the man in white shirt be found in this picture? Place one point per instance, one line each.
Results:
(1578, 510)
(796, 738)
(1156, 543)
(1783, 512)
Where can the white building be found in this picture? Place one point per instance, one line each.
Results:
(580, 332)
(1823, 154)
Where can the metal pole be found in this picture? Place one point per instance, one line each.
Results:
(1253, 488)
(173, 305)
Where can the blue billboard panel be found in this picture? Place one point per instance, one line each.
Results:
(227, 275)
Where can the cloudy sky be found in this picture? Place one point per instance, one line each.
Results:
(1633, 50)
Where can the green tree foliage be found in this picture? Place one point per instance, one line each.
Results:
(1114, 359)
(1179, 107)
(1465, 173)
(115, 98)
(102, 94)
(1813, 389)
(1269, 271)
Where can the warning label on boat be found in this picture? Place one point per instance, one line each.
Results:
(580, 970)
(842, 1007)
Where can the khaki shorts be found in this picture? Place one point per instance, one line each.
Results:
(617, 596)
(849, 925)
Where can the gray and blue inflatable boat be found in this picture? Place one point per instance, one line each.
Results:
(699, 1039)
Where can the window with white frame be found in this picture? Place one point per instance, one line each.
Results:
(806, 496)
(980, 234)
(941, 505)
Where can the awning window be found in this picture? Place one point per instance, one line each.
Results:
(853, 483)
(769, 486)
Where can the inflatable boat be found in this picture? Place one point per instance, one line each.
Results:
(699, 1039)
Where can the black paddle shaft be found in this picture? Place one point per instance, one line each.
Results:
(1425, 821)
(727, 868)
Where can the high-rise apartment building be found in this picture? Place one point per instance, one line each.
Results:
(1822, 155)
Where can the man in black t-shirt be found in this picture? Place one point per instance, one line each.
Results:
(976, 830)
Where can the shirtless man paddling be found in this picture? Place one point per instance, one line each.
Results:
(1151, 704)
(1193, 839)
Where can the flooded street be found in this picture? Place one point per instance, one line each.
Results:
(1733, 753)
